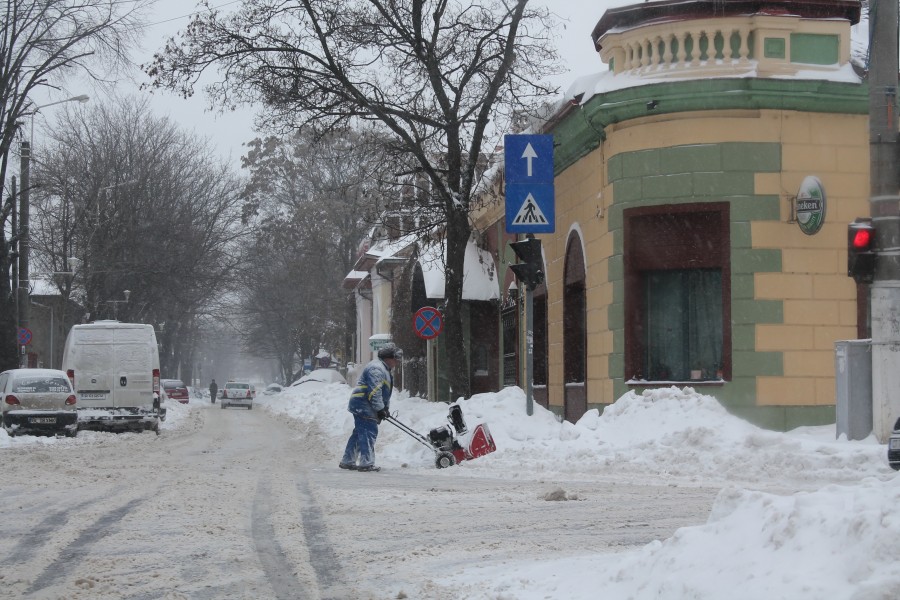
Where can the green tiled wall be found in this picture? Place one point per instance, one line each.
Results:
(714, 173)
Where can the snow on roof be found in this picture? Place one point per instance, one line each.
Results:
(588, 86)
(43, 287)
(479, 281)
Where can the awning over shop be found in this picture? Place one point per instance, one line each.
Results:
(354, 278)
(479, 282)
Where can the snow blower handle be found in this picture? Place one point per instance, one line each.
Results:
(408, 430)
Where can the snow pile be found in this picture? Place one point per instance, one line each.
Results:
(664, 433)
(836, 543)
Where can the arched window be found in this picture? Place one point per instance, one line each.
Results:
(574, 331)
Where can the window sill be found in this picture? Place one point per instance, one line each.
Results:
(689, 382)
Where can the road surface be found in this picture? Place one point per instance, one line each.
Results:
(241, 504)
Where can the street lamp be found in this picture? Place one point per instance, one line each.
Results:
(22, 296)
(116, 303)
(64, 280)
(82, 99)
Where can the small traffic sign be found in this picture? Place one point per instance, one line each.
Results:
(528, 158)
(24, 336)
(530, 208)
(428, 322)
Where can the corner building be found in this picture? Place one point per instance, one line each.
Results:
(680, 256)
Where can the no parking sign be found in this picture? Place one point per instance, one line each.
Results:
(428, 322)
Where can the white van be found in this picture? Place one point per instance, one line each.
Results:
(114, 368)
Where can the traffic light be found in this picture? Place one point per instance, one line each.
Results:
(861, 250)
(530, 270)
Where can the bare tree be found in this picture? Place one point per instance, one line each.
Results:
(442, 78)
(41, 43)
(315, 198)
(145, 207)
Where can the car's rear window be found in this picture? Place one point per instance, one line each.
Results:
(239, 386)
(40, 385)
(174, 385)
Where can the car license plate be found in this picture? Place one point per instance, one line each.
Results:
(47, 420)
(895, 443)
(93, 396)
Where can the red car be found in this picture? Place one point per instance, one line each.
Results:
(176, 390)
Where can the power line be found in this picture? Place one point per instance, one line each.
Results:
(193, 13)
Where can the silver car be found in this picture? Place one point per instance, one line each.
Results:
(38, 402)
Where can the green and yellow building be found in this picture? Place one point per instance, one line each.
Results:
(703, 188)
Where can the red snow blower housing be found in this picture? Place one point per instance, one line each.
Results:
(452, 443)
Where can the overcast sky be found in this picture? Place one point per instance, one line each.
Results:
(229, 131)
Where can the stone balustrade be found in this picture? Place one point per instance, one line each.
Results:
(726, 46)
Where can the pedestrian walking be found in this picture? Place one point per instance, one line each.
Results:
(369, 403)
(213, 391)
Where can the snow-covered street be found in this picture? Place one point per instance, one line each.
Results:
(664, 496)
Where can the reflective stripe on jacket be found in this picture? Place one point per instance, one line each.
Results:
(373, 390)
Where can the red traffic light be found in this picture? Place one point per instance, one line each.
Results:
(862, 239)
(861, 255)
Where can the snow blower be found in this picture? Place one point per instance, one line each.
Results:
(444, 441)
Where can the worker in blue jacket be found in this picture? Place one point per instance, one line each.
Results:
(369, 404)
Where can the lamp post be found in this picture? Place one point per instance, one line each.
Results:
(116, 303)
(22, 295)
(64, 280)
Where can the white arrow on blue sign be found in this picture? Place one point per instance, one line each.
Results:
(530, 196)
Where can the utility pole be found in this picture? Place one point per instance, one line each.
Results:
(24, 241)
(885, 210)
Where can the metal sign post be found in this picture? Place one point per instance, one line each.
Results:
(530, 209)
(529, 350)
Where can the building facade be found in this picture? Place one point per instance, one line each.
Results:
(704, 184)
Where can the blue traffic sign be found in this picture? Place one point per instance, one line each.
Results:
(24, 336)
(530, 196)
(428, 322)
(530, 208)
(528, 158)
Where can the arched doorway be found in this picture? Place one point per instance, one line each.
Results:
(574, 332)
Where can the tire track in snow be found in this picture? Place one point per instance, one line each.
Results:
(278, 569)
(322, 556)
(39, 535)
(69, 556)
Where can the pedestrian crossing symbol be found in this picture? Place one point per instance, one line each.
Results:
(530, 208)
(530, 213)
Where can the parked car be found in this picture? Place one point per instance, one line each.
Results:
(38, 401)
(114, 370)
(238, 393)
(176, 390)
(894, 447)
(272, 388)
(317, 380)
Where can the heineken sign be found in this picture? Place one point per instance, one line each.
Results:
(811, 205)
